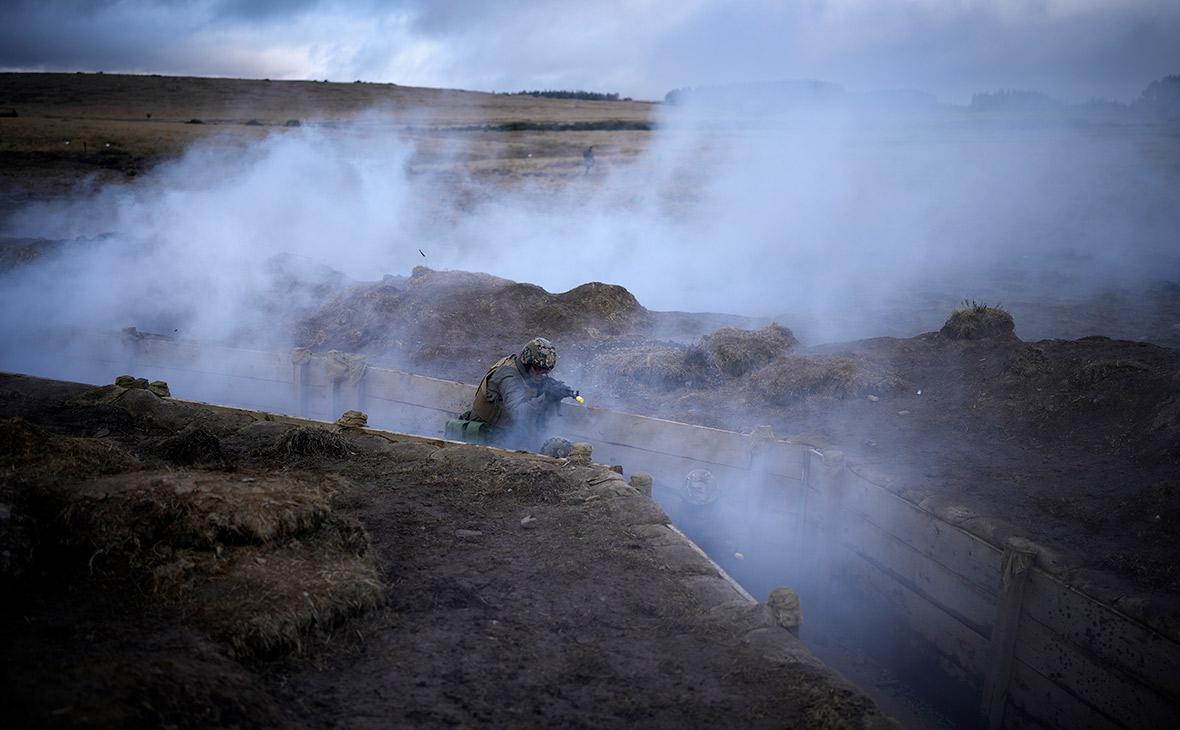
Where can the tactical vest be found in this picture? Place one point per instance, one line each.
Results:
(483, 409)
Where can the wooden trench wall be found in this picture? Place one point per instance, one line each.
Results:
(1037, 652)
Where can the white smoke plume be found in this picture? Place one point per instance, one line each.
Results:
(831, 220)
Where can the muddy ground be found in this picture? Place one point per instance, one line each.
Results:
(1072, 443)
(168, 565)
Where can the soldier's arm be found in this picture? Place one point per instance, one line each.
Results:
(520, 401)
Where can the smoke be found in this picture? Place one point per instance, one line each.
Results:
(831, 219)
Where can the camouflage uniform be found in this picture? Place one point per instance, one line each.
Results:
(515, 403)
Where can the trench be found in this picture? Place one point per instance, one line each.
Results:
(938, 625)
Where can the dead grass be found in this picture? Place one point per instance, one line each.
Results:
(125, 518)
(146, 116)
(261, 562)
(666, 368)
(1099, 371)
(791, 379)
(308, 442)
(192, 445)
(265, 600)
(1029, 361)
(29, 454)
(974, 321)
(736, 352)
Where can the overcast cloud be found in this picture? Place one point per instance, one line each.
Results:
(1072, 49)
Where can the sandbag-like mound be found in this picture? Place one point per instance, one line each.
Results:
(264, 601)
(260, 562)
(790, 379)
(736, 352)
(448, 313)
(28, 454)
(123, 517)
(307, 442)
(664, 367)
(977, 322)
(190, 446)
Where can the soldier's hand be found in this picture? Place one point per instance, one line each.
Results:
(557, 390)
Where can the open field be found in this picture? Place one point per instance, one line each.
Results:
(1061, 426)
(118, 125)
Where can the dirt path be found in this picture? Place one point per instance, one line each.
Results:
(514, 589)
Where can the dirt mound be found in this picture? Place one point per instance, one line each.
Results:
(192, 445)
(266, 601)
(307, 442)
(791, 379)
(126, 516)
(979, 321)
(662, 367)
(452, 315)
(261, 562)
(736, 352)
(28, 453)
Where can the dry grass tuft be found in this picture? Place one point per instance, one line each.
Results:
(261, 562)
(661, 367)
(1029, 361)
(310, 442)
(32, 454)
(124, 517)
(790, 379)
(1098, 371)
(974, 321)
(736, 352)
(266, 601)
(193, 444)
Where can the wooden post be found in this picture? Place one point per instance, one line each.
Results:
(803, 539)
(300, 367)
(336, 400)
(1014, 573)
(131, 339)
(834, 474)
(361, 393)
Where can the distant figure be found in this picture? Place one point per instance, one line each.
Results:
(588, 158)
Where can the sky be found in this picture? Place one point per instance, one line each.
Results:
(1074, 50)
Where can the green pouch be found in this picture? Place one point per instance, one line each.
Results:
(473, 432)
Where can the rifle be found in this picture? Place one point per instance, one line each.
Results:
(555, 390)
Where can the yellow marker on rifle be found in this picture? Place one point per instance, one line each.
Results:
(579, 398)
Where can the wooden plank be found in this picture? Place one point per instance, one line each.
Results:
(418, 390)
(709, 445)
(957, 550)
(1016, 566)
(927, 577)
(1099, 685)
(668, 471)
(780, 458)
(406, 418)
(1105, 633)
(964, 651)
(1032, 695)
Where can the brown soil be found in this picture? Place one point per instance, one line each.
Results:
(378, 583)
(1072, 443)
(449, 322)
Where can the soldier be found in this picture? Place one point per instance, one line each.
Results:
(588, 158)
(517, 396)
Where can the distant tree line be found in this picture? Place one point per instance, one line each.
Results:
(565, 94)
(768, 93)
(1161, 96)
(1013, 100)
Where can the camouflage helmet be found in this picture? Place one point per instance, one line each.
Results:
(540, 353)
